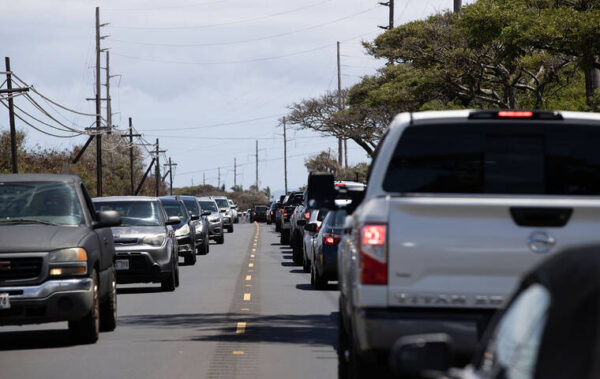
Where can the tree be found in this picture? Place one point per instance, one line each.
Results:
(323, 162)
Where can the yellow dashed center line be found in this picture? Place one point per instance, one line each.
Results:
(250, 264)
(250, 270)
(245, 309)
(251, 255)
(247, 297)
(248, 277)
(241, 328)
(236, 352)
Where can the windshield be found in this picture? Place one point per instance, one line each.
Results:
(479, 158)
(208, 206)
(192, 206)
(222, 203)
(175, 209)
(133, 213)
(47, 202)
(261, 208)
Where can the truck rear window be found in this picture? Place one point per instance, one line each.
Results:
(497, 158)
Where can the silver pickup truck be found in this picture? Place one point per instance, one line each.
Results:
(459, 205)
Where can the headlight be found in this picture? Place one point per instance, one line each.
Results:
(184, 230)
(72, 261)
(199, 227)
(155, 240)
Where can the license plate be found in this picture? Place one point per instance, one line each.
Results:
(4, 301)
(122, 264)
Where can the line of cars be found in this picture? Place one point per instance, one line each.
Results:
(63, 253)
(472, 233)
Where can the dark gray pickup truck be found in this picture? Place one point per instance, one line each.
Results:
(56, 256)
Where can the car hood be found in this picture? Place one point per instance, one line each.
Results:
(39, 238)
(127, 231)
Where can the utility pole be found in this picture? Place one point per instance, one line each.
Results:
(390, 5)
(219, 177)
(131, 135)
(171, 164)
(203, 179)
(158, 151)
(339, 75)
(285, 155)
(108, 106)
(234, 174)
(98, 109)
(457, 5)
(256, 165)
(11, 115)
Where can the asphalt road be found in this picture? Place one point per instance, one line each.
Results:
(243, 311)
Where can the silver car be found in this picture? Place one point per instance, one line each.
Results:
(215, 220)
(226, 212)
(145, 243)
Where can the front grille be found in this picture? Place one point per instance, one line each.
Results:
(126, 241)
(20, 268)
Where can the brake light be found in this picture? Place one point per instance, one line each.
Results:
(331, 239)
(340, 184)
(254, 213)
(285, 214)
(519, 114)
(307, 216)
(373, 255)
(271, 213)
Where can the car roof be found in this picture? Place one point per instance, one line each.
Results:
(205, 198)
(422, 118)
(40, 178)
(169, 199)
(218, 197)
(126, 198)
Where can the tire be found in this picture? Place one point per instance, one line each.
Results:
(306, 266)
(87, 329)
(297, 257)
(343, 348)
(230, 229)
(190, 260)
(220, 240)
(177, 275)
(317, 281)
(108, 308)
(203, 250)
(285, 237)
(169, 283)
(277, 227)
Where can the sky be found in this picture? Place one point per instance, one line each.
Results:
(207, 77)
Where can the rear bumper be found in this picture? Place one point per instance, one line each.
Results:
(377, 329)
(51, 301)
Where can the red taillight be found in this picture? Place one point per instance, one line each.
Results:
(515, 114)
(331, 239)
(285, 214)
(254, 213)
(373, 255)
(307, 216)
(271, 213)
(340, 184)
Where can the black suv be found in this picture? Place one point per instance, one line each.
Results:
(56, 256)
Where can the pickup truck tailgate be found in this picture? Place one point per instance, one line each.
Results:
(470, 252)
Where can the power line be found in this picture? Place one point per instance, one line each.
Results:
(217, 125)
(165, 8)
(223, 23)
(329, 45)
(250, 39)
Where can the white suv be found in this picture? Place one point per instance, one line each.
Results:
(459, 204)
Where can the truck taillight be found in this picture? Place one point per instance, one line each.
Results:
(285, 214)
(331, 239)
(373, 256)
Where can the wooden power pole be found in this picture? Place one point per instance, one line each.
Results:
(11, 115)
(131, 171)
(285, 156)
(256, 165)
(339, 76)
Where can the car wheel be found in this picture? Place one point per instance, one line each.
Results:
(87, 329)
(169, 283)
(357, 366)
(190, 260)
(108, 308)
(343, 348)
(319, 280)
(277, 227)
(177, 274)
(220, 240)
(305, 264)
(230, 229)
(285, 237)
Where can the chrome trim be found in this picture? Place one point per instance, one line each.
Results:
(48, 288)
